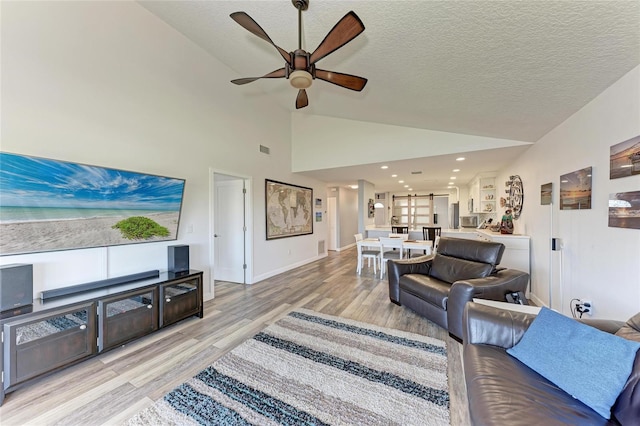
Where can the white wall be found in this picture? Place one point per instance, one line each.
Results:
(366, 192)
(597, 262)
(318, 138)
(347, 217)
(109, 84)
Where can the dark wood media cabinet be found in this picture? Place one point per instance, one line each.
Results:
(55, 333)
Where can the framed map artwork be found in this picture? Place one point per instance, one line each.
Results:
(289, 210)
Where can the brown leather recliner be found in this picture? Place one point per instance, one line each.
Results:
(438, 287)
(503, 391)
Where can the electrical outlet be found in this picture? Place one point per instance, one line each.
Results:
(584, 307)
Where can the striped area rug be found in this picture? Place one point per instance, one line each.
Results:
(315, 369)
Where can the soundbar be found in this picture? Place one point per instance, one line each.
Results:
(65, 291)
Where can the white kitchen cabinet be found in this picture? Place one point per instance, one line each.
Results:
(482, 190)
(487, 195)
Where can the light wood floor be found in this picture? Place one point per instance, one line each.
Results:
(111, 387)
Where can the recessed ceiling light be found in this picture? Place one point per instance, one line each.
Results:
(460, 159)
(410, 189)
(452, 178)
(450, 183)
(384, 167)
(564, 181)
(455, 170)
(353, 186)
(449, 187)
(624, 166)
(394, 175)
(400, 181)
(406, 186)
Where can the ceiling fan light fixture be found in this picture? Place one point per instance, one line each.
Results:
(300, 79)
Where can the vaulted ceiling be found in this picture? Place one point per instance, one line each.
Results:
(504, 69)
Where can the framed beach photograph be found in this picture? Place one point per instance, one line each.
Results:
(575, 190)
(624, 210)
(624, 158)
(289, 212)
(50, 205)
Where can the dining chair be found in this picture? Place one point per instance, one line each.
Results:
(400, 229)
(368, 253)
(435, 244)
(430, 233)
(396, 253)
(403, 237)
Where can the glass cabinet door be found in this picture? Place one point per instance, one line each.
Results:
(45, 342)
(127, 316)
(180, 300)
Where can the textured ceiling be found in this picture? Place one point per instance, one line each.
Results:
(505, 69)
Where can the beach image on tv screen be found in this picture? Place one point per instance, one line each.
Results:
(48, 205)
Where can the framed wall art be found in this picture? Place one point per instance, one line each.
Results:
(624, 158)
(289, 212)
(575, 190)
(50, 205)
(624, 210)
(371, 212)
(546, 193)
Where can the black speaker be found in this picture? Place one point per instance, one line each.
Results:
(178, 258)
(16, 286)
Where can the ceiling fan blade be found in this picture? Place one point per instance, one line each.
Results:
(348, 81)
(252, 26)
(302, 100)
(280, 73)
(348, 28)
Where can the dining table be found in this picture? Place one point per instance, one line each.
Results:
(426, 246)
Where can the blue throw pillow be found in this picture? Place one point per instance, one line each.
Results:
(589, 364)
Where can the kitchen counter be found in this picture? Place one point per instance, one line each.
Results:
(488, 232)
(516, 253)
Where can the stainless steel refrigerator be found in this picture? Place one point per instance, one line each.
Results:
(454, 223)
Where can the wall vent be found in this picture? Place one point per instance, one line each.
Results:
(264, 149)
(419, 172)
(321, 247)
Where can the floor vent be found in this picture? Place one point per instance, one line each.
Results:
(321, 247)
(264, 149)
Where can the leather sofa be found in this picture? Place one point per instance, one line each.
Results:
(438, 287)
(503, 391)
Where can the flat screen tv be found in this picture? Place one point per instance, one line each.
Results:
(50, 205)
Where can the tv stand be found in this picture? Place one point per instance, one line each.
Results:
(59, 332)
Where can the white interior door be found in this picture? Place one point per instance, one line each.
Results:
(332, 216)
(229, 229)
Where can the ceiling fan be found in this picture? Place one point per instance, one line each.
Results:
(300, 65)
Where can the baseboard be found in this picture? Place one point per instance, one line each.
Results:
(537, 300)
(273, 273)
(346, 247)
